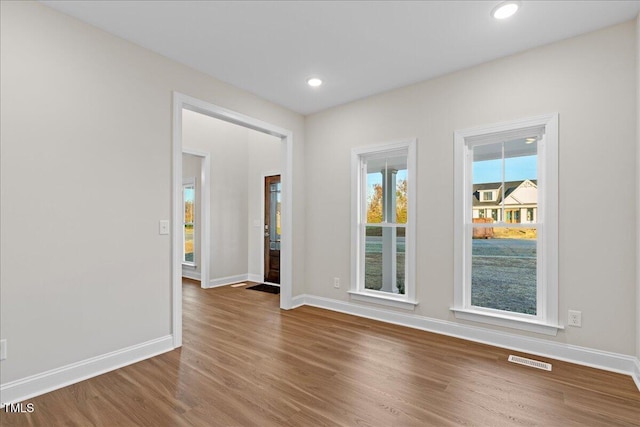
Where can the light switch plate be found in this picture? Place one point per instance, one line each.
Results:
(164, 226)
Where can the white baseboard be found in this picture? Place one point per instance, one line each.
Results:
(35, 385)
(599, 359)
(299, 301)
(190, 274)
(255, 278)
(224, 281)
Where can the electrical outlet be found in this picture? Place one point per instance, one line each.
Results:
(3, 349)
(575, 318)
(336, 282)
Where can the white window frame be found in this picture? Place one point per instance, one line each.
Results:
(188, 182)
(546, 319)
(358, 222)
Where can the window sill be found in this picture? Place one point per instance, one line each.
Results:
(189, 264)
(506, 321)
(388, 300)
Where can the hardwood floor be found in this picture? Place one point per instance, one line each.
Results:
(244, 363)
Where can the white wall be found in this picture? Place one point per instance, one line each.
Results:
(264, 159)
(590, 81)
(227, 145)
(85, 178)
(638, 186)
(191, 169)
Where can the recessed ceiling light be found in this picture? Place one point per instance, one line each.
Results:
(505, 9)
(314, 81)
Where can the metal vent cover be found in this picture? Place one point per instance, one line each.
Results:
(530, 362)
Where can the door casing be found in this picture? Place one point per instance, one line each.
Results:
(180, 102)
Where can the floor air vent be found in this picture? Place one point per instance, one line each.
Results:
(529, 362)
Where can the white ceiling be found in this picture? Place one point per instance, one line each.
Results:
(358, 48)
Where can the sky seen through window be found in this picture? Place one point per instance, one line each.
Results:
(515, 169)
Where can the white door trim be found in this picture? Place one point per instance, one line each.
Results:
(180, 102)
(205, 212)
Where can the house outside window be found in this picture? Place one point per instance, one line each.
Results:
(383, 224)
(506, 264)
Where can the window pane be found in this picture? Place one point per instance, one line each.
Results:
(275, 211)
(401, 197)
(189, 202)
(505, 181)
(400, 258)
(373, 258)
(487, 182)
(189, 198)
(504, 269)
(385, 259)
(374, 197)
(521, 184)
(386, 189)
(188, 243)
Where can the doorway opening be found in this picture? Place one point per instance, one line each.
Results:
(196, 205)
(183, 102)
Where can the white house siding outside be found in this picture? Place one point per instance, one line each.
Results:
(520, 205)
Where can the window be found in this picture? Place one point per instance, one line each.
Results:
(487, 196)
(383, 223)
(529, 214)
(506, 270)
(188, 222)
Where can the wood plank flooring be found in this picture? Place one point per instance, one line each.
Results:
(246, 363)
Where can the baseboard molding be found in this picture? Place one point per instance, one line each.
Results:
(636, 373)
(35, 385)
(608, 361)
(255, 278)
(299, 301)
(193, 275)
(224, 281)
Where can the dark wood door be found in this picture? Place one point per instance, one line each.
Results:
(272, 229)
